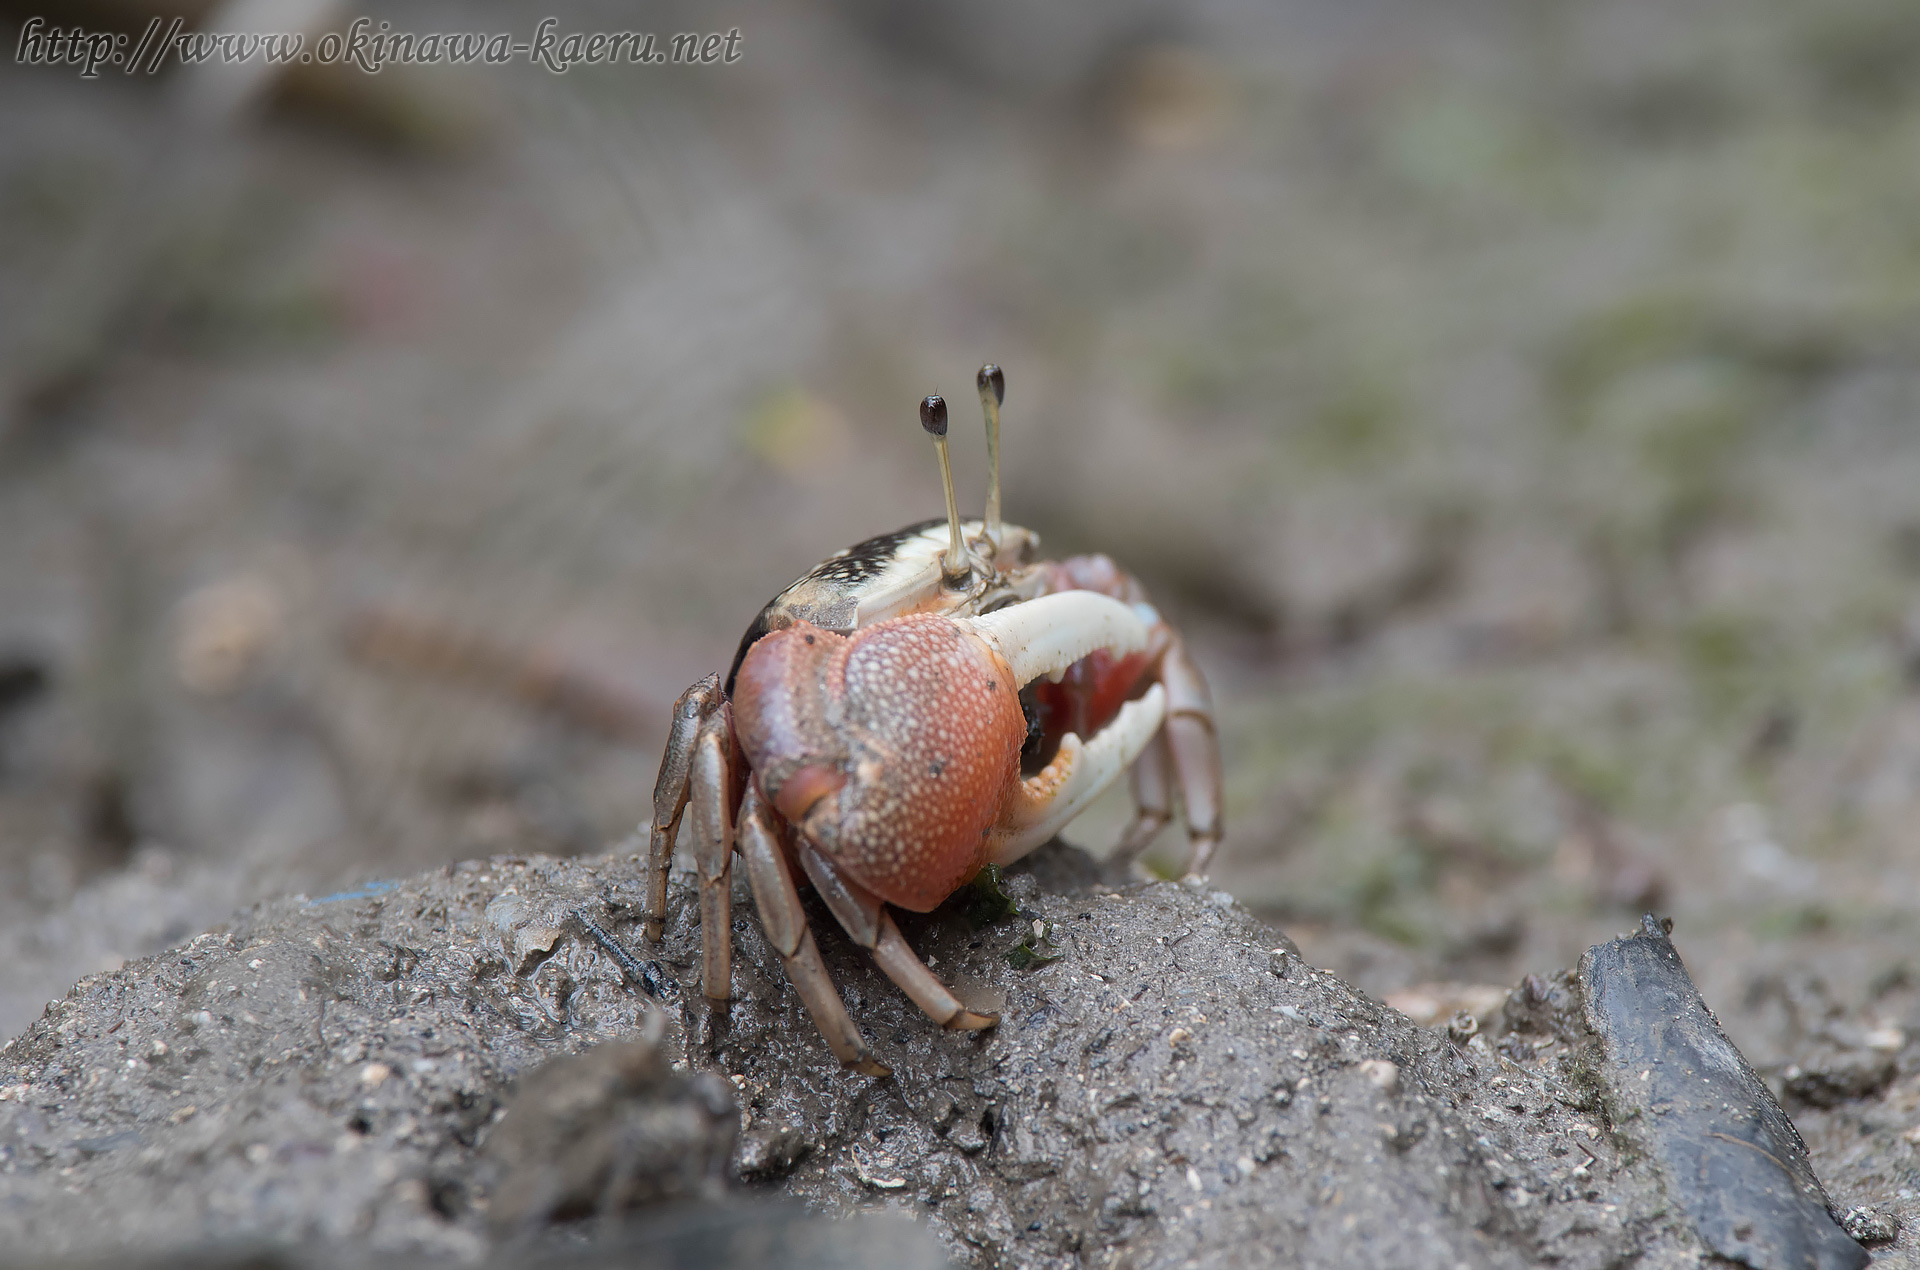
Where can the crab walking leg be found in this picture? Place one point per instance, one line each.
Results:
(712, 827)
(786, 926)
(670, 794)
(1152, 779)
(902, 965)
(865, 917)
(1196, 754)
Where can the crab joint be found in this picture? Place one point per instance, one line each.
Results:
(799, 793)
(955, 568)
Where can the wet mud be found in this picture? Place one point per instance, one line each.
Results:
(449, 1065)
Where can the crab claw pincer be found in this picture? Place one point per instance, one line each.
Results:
(896, 750)
(1044, 637)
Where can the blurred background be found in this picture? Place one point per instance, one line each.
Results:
(1514, 402)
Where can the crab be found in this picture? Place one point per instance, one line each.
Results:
(911, 710)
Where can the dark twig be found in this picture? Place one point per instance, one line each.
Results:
(630, 965)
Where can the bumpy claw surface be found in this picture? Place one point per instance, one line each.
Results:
(891, 750)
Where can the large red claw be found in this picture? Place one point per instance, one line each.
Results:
(891, 750)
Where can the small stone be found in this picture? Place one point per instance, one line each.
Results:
(1829, 1078)
(373, 1075)
(1870, 1225)
(876, 1178)
(526, 938)
(1382, 1074)
(968, 1139)
(769, 1154)
(1888, 1039)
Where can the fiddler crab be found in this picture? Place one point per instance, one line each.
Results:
(912, 709)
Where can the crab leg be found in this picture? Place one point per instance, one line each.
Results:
(670, 794)
(866, 918)
(1152, 779)
(902, 965)
(712, 827)
(786, 926)
(1196, 754)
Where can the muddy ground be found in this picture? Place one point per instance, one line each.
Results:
(354, 1077)
(1512, 403)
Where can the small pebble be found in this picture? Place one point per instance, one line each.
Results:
(1888, 1039)
(1870, 1225)
(1382, 1074)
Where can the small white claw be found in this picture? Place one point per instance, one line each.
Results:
(1043, 804)
(1044, 636)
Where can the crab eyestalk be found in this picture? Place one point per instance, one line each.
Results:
(954, 565)
(993, 391)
